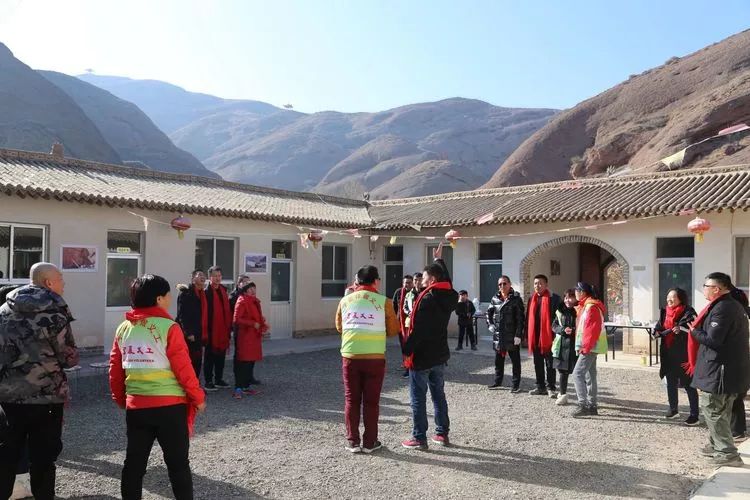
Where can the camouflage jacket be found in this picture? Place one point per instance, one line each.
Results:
(36, 343)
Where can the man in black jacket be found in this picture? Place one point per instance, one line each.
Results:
(540, 314)
(465, 311)
(722, 366)
(427, 351)
(191, 304)
(505, 319)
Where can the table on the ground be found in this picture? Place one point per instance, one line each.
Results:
(611, 328)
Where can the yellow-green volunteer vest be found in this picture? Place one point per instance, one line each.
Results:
(363, 323)
(601, 344)
(144, 358)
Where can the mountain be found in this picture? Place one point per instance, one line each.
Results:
(36, 113)
(126, 128)
(428, 148)
(170, 106)
(682, 104)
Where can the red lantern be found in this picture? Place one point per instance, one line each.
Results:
(316, 236)
(698, 226)
(180, 224)
(452, 236)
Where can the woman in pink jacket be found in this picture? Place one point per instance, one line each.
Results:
(250, 328)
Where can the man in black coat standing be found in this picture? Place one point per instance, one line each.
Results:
(505, 320)
(191, 316)
(540, 314)
(722, 365)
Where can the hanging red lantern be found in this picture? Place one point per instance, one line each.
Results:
(315, 236)
(452, 236)
(180, 224)
(698, 226)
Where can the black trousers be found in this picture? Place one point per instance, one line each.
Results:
(213, 365)
(542, 363)
(563, 381)
(515, 359)
(739, 423)
(466, 330)
(168, 425)
(243, 373)
(196, 358)
(41, 427)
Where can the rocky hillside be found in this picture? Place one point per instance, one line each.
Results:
(429, 148)
(36, 113)
(645, 119)
(126, 128)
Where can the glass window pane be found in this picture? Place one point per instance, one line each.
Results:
(488, 276)
(281, 273)
(742, 259)
(327, 262)
(394, 253)
(341, 268)
(281, 249)
(4, 252)
(331, 290)
(674, 275)
(394, 275)
(27, 249)
(675, 247)
(225, 258)
(120, 275)
(447, 257)
(491, 251)
(204, 254)
(119, 241)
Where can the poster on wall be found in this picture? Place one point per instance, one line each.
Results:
(79, 258)
(256, 263)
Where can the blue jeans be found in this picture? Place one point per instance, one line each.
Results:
(419, 382)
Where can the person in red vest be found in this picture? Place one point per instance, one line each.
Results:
(152, 379)
(251, 328)
(539, 318)
(219, 329)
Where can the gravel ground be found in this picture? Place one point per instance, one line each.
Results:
(288, 441)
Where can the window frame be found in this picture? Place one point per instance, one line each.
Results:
(229, 283)
(746, 289)
(12, 225)
(387, 263)
(429, 246)
(673, 260)
(334, 281)
(289, 260)
(124, 256)
(486, 262)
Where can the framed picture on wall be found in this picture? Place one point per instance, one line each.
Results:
(256, 263)
(554, 267)
(79, 258)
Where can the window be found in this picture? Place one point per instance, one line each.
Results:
(742, 263)
(447, 257)
(216, 252)
(335, 271)
(124, 263)
(394, 268)
(21, 247)
(674, 257)
(490, 269)
(281, 271)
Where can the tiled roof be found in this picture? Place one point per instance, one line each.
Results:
(618, 197)
(41, 175)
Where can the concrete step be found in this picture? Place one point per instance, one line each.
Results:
(732, 483)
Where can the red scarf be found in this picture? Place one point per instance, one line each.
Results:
(201, 294)
(672, 314)
(693, 344)
(545, 330)
(221, 320)
(440, 285)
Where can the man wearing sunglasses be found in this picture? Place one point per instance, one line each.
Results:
(505, 319)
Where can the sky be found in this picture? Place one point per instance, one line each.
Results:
(372, 55)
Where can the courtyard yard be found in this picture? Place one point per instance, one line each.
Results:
(288, 442)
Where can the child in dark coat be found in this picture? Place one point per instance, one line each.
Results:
(465, 311)
(563, 348)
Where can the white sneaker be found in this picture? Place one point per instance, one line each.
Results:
(22, 487)
(562, 400)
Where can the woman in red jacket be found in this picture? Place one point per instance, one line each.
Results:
(250, 328)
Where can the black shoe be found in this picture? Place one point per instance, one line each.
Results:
(582, 411)
(538, 392)
(474, 347)
(255, 381)
(593, 411)
(375, 447)
(495, 386)
(740, 437)
(221, 384)
(405, 374)
(459, 348)
(672, 414)
(692, 421)
(210, 387)
(515, 390)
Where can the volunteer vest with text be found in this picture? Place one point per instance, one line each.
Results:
(363, 323)
(144, 358)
